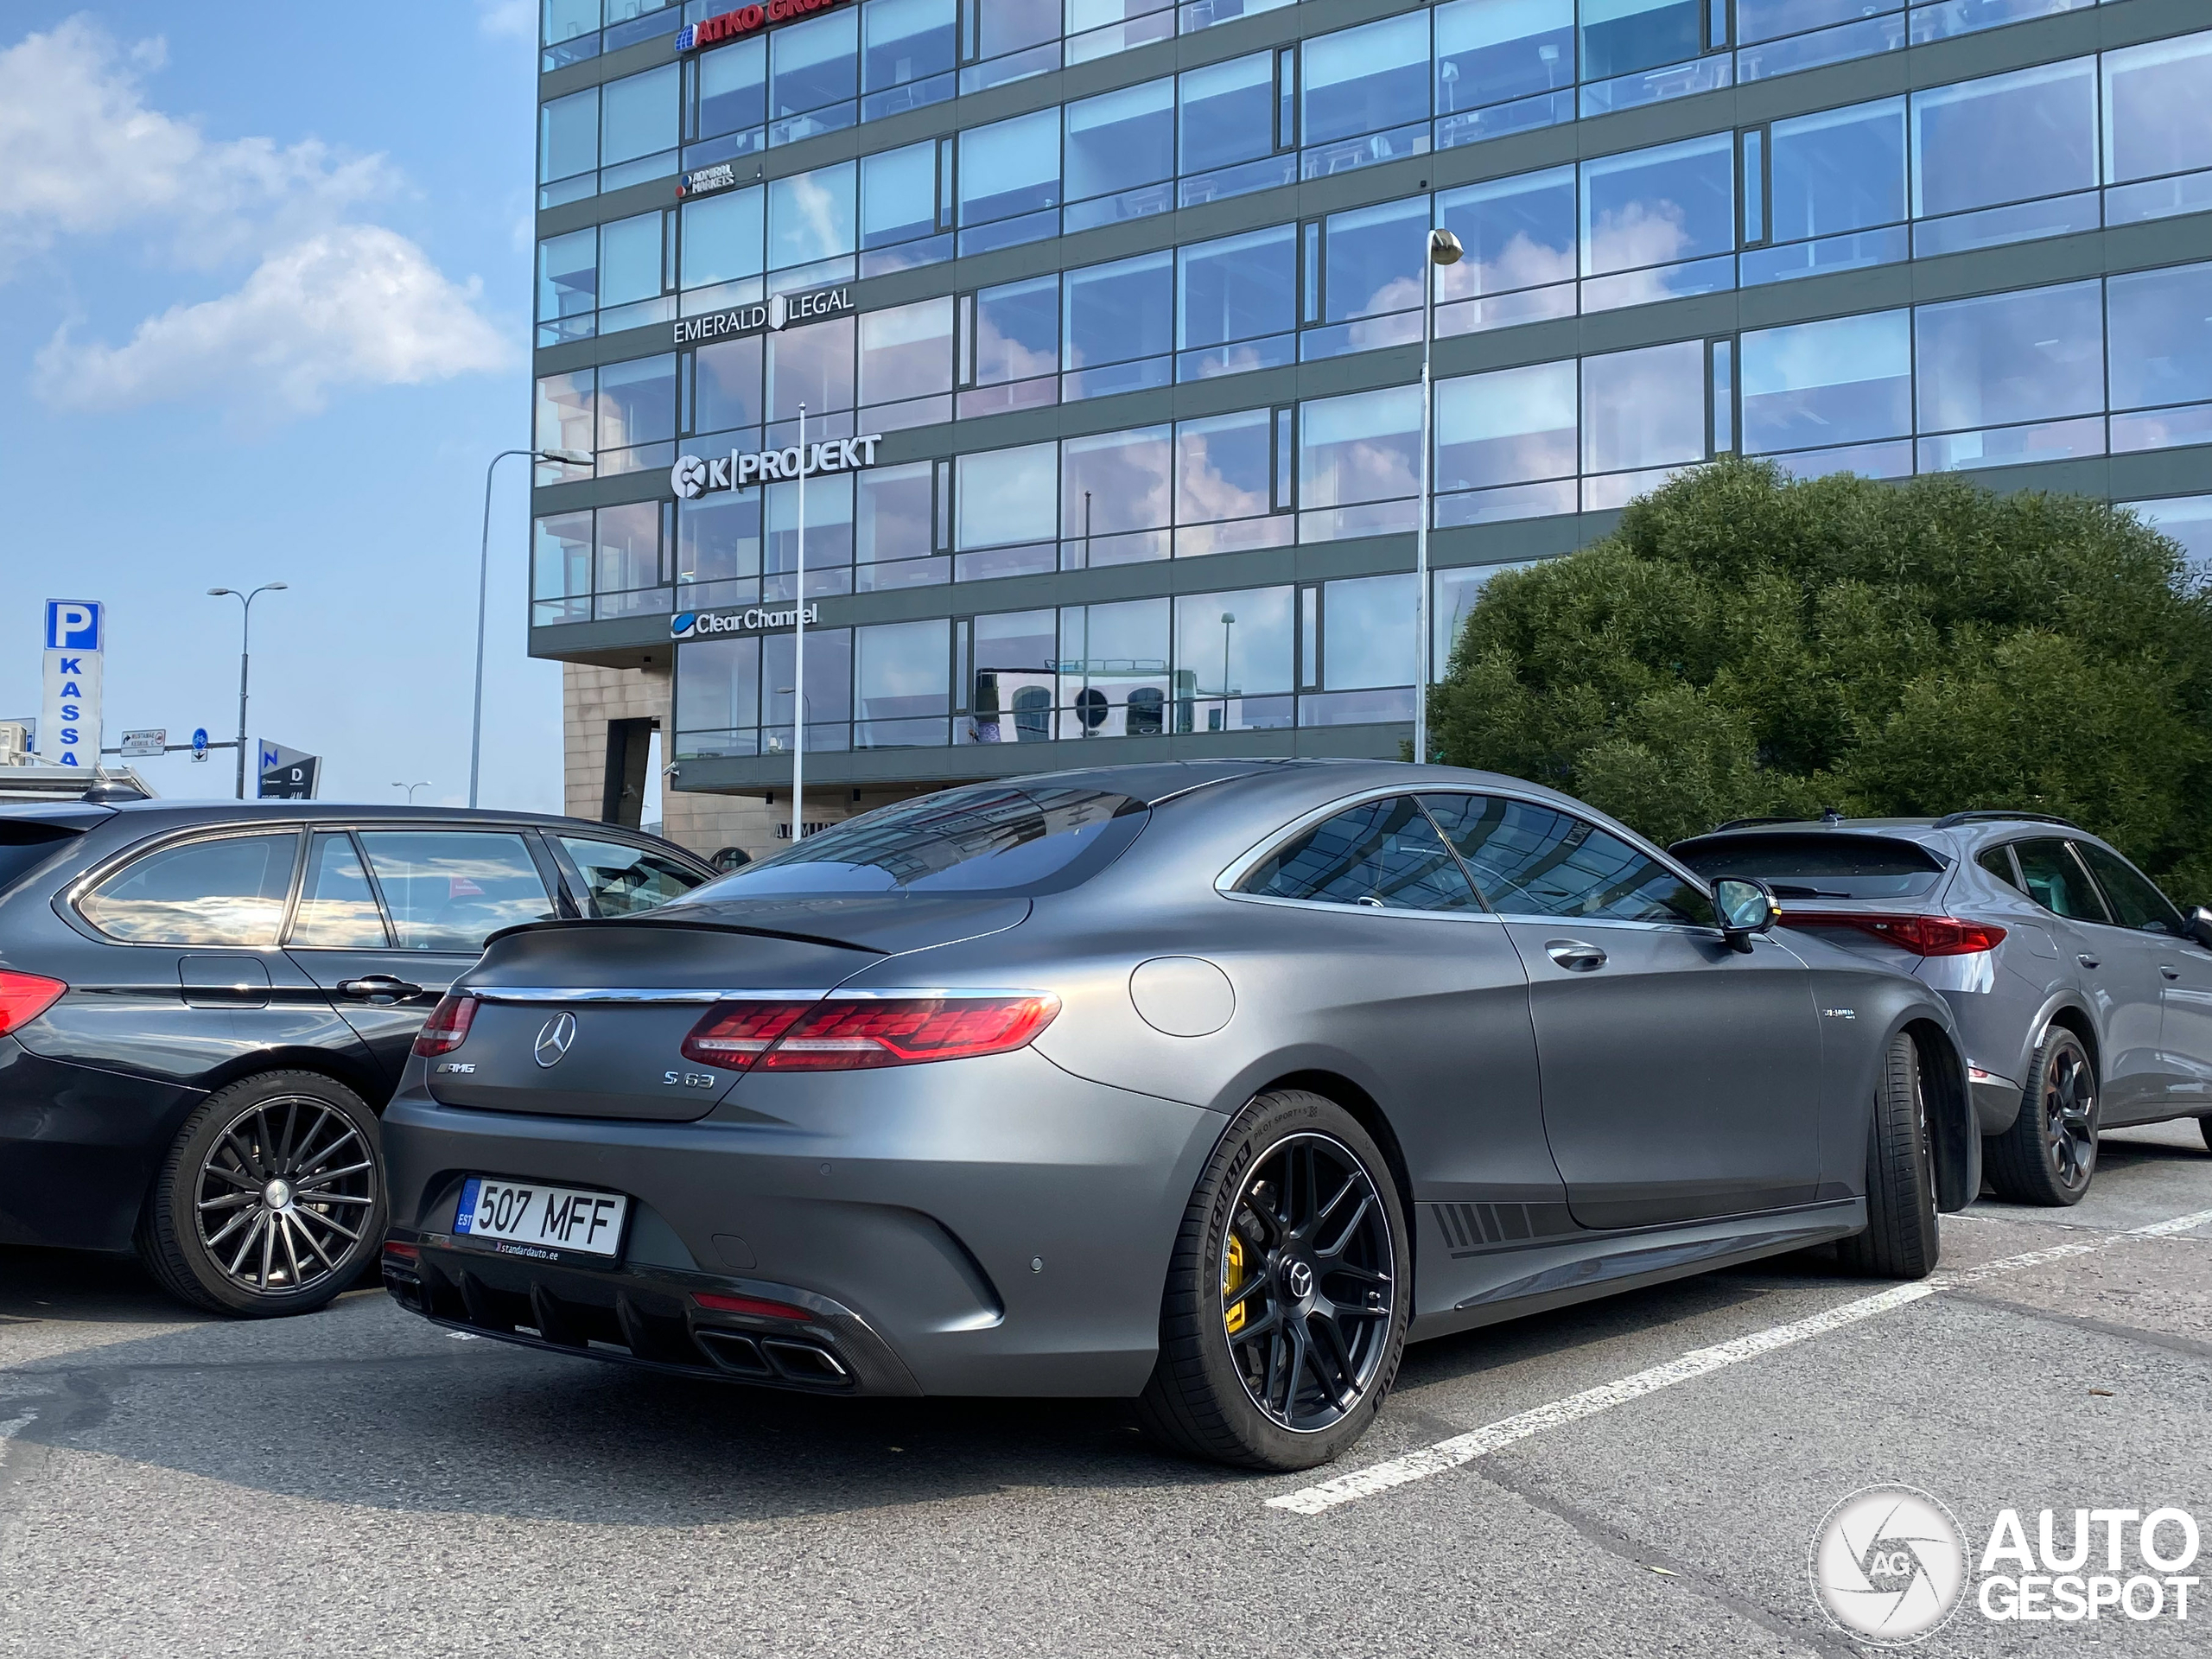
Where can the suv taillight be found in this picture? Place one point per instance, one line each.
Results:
(1924, 936)
(23, 997)
(853, 1034)
(448, 1027)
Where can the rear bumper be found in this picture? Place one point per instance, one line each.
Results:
(980, 1227)
(1996, 1100)
(78, 1149)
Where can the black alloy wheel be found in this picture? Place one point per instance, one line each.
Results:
(1288, 1298)
(2049, 1155)
(1307, 1282)
(271, 1199)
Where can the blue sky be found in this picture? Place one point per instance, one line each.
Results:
(264, 287)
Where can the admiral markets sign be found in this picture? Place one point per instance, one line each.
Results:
(770, 314)
(744, 20)
(692, 477)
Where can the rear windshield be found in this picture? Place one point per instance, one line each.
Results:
(25, 846)
(986, 838)
(1819, 866)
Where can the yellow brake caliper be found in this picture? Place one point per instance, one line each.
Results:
(1232, 1280)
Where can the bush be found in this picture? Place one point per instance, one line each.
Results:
(1747, 645)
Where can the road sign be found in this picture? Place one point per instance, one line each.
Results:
(69, 725)
(154, 742)
(199, 742)
(285, 774)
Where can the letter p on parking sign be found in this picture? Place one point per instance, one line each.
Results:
(73, 624)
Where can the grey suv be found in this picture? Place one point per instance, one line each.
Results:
(2083, 996)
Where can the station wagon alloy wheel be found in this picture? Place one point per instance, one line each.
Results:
(1308, 1283)
(285, 1190)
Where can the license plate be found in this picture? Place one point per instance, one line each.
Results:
(532, 1214)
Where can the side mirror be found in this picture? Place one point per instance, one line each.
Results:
(1746, 906)
(2199, 926)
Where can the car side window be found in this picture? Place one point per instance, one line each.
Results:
(624, 881)
(2056, 880)
(1998, 860)
(1385, 854)
(2135, 902)
(450, 889)
(223, 890)
(1530, 861)
(338, 908)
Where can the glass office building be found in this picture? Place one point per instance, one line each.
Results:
(1132, 291)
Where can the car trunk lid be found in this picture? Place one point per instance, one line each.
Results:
(588, 1018)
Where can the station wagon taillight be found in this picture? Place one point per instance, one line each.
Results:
(853, 1034)
(448, 1027)
(23, 997)
(1924, 936)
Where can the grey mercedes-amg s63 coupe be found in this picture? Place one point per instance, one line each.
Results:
(1206, 1083)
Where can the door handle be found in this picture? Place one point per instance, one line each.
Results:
(1575, 956)
(2090, 962)
(2168, 971)
(379, 987)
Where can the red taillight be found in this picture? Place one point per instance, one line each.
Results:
(1924, 936)
(734, 1034)
(749, 1305)
(852, 1034)
(399, 1252)
(448, 1027)
(23, 997)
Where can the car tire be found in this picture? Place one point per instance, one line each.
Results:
(2204, 1129)
(2049, 1155)
(1901, 1240)
(1287, 1295)
(270, 1200)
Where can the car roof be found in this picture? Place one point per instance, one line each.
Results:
(151, 817)
(1971, 826)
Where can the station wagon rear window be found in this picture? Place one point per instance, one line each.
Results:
(1819, 866)
(987, 838)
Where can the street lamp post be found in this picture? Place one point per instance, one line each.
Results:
(410, 788)
(1228, 621)
(245, 632)
(1444, 249)
(799, 653)
(483, 587)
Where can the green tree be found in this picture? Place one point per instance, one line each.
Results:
(1745, 645)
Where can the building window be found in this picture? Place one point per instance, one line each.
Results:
(722, 254)
(1005, 509)
(726, 391)
(1361, 81)
(1235, 670)
(637, 414)
(568, 287)
(1359, 464)
(1235, 303)
(1833, 193)
(810, 221)
(1643, 415)
(1505, 444)
(566, 412)
(902, 684)
(2010, 377)
(908, 49)
(1659, 223)
(1369, 632)
(2158, 143)
(637, 126)
(1830, 397)
(1225, 485)
(1115, 498)
(1519, 240)
(1370, 279)
(1118, 323)
(1009, 175)
(2010, 138)
(813, 74)
(1016, 334)
(632, 578)
(718, 551)
(1120, 158)
(559, 570)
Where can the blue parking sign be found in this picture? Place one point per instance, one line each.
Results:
(73, 624)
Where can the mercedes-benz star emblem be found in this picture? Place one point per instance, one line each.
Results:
(554, 1038)
(1301, 1281)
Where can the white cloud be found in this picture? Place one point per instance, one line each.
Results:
(355, 305)
(81, 153)
(329, 303)
(518, 18)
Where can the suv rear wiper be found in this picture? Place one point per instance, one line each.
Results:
(1784, 891)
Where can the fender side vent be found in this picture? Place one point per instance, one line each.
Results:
(1470, 1228)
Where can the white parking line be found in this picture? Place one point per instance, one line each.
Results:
(1463, 1448)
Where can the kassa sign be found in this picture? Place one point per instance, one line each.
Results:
(69, 722)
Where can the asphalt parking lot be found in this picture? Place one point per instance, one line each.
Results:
(362, 1482)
